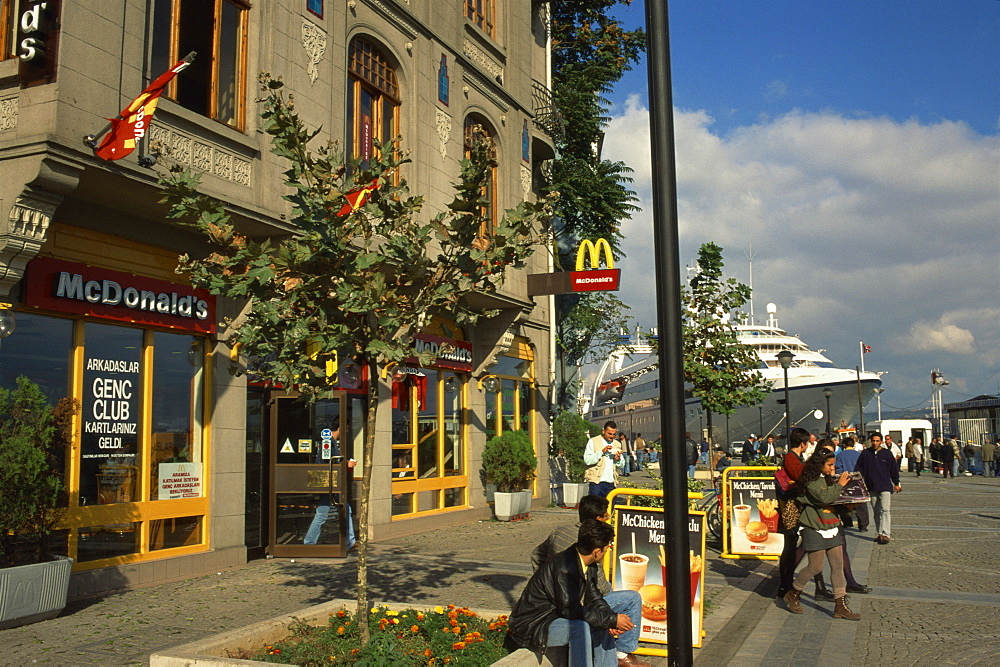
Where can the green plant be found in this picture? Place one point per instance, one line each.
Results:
(571, 432)
(509, 461)
(31, 433)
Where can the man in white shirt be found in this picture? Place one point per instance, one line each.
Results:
(604, 460)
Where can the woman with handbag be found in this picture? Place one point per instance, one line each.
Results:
(822, 532)
(786, 491)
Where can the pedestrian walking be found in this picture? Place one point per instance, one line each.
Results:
(693, 452)
(881, 474)
(915, 455)
(640, 449)
(822, 533)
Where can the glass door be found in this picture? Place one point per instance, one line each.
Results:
(309, 477)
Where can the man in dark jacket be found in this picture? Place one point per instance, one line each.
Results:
(881, 474)
(563, 592)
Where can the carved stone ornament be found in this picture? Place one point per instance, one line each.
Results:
(502, 346)
(314, 42)
(478, 56)
(525, 180)
(186, 150)
(23, 233)
(443, 123)
(8, 114)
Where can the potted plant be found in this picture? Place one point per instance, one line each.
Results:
(509, 463)
(571, 432)
(33, 584)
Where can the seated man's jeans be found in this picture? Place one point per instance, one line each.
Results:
(321, 516)
(600, 643)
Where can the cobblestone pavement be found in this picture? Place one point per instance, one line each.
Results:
(936, 583)
(936, 597)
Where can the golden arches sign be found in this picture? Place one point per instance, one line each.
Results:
(594, 249)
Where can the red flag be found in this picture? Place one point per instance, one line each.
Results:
(133, 121)
(357, 199)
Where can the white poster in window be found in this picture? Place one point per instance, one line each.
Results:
(179, 480)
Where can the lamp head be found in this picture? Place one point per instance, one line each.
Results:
(785, 358)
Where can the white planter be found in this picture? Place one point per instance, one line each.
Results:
(505, 505)
(573, 492)
(31, 593)
(525, 503)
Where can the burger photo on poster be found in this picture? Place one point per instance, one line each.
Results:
(654, 602)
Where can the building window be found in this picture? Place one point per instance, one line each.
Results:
(428, 443)
(8, 28)
(481, 13)
(138, 436)
(372, 99)
(214, 85)
(476, 129)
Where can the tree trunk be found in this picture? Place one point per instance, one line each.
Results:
(363, 501)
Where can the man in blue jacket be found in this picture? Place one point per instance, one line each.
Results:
(881, 474)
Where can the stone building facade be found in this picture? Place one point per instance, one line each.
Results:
(175, 468)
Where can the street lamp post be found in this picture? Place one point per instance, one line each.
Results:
(631, 423)
(827, 393)
(785, 359)
(878, 399)
(760, 420)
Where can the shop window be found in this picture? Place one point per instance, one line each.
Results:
(39, 349)
(509, 396)
(428, 451)
(481, 13)
(107, 541)
(175, 532)
(476, 129)
(214, 84)
(372, 99)
(175, 444)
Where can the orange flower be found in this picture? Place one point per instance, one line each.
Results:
(341, 613)
(458, 646)
(427, 653)
(457, 631)
(452, 622)
(451, 606)
(355, 651)
(414, 628)
(420, 616)
(340, 630)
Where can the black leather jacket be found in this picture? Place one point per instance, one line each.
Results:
(559, 589)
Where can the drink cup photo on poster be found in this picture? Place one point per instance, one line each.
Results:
(754, 522)
(638, 563)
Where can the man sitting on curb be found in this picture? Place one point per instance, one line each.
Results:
(562, 538)
(563, 592)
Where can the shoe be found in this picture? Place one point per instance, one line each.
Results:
(632, 661)
(863, 530)
(843, 611)
(860, 588)
(881, 540)
(792, 601)
(824, 595)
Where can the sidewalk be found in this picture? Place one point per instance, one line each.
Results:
(918, 610)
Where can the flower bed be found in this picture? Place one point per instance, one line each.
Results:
(442, 636)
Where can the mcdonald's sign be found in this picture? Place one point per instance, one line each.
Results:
(594, 279)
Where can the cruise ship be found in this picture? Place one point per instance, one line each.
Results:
(627, 390)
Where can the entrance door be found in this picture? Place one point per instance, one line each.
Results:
(309, 478)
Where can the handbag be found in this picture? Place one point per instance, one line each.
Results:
(784, 481)
(790, 512)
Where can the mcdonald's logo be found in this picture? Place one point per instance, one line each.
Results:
(594, 249)
(594, 279)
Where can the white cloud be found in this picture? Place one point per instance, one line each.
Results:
(862, 229)
(934, 336)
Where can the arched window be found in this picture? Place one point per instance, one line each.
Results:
(372, 99)
(477, 128)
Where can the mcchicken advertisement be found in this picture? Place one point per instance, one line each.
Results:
(639, 564)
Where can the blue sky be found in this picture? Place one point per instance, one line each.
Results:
(855, 146)
(743, 60)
